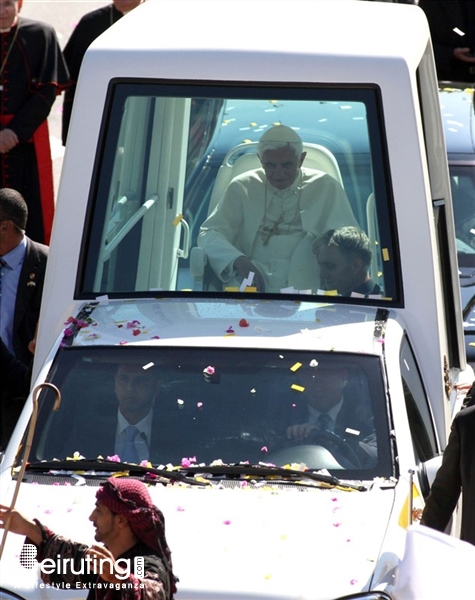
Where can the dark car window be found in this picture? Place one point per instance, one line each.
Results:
(210, 404)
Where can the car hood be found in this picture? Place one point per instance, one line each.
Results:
(236, 542)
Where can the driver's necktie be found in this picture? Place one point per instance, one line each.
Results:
(324, 422)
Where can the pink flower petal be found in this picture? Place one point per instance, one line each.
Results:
(114, 458)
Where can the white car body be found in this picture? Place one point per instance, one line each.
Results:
(272, 540)
(235, 538)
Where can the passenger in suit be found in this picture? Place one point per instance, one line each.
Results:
(136, 422)
(456, 476)
(135, 390)
(22, 272)
(122, 422)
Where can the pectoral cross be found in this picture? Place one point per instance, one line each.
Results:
(268, 232)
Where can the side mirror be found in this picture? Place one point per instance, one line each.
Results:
(427, 473)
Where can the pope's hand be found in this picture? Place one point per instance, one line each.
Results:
(244, 266)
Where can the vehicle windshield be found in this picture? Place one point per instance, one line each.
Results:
(202, 405)
(214, 189)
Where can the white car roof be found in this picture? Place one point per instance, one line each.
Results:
(233, 323)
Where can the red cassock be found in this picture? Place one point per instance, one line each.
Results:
(33, 73)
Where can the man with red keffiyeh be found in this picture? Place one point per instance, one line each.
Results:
(129, 525)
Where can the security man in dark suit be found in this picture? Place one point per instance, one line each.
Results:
(22, 272)
(456, 476)
(452, 28)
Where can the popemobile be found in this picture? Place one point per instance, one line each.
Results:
(253, 264)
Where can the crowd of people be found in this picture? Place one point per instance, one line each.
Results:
(270, 222)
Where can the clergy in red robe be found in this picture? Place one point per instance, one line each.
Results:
(32, 73)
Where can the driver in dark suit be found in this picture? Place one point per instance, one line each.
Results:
(330, 408)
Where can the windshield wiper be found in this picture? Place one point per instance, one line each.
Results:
(264, 471)
(110, 466)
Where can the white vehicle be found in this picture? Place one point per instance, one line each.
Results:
(179, 103)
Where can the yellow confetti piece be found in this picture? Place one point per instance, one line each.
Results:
(253, 124)
(177, 220)
(298, 388)
(331, 293)
(249, 288)
(296, 367)
(385, 253)
(472, 344)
